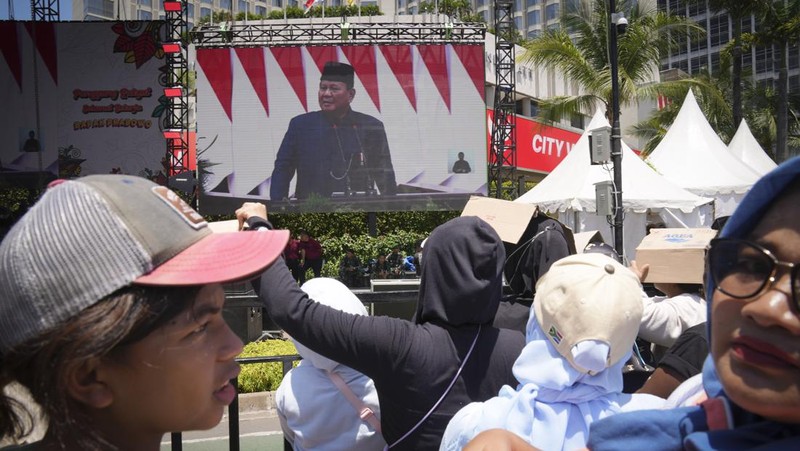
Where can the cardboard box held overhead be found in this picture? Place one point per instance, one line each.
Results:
(674, 255)
(509, 219)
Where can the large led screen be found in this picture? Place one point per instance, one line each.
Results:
(81, 98)
(332, 128)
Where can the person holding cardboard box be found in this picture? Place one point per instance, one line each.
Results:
(666, 317)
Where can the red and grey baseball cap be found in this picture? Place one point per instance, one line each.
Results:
(87, 238)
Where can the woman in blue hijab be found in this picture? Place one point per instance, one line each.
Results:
(752, 377)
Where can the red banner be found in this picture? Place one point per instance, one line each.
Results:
(539, 147)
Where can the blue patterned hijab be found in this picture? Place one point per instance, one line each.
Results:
(688, 428)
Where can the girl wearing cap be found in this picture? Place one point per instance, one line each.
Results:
(752, 376)
(111, 315)
(580, 333)
(335, 393)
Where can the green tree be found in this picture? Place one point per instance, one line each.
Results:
(216, 17)
(458, 9)
(780, 27)
(738, 10)
(579, 50)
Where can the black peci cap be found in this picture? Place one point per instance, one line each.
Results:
(335, 71)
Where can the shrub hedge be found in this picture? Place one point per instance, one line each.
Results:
(256, 377)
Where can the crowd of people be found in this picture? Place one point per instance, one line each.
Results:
(110, 317)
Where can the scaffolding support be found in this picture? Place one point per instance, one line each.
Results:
(45, 10)
(503, 154)
(176, 121)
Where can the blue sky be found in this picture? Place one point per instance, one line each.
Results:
(22, 9)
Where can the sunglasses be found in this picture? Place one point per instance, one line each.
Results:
(742, 269)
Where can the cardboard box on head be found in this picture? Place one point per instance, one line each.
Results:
(533, 240)
(674, 255)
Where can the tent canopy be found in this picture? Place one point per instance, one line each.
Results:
(745, 146)
(692, 156)
(571, 184)
(569, 190)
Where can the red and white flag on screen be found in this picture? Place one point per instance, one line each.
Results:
(309, 3)
(663, 101)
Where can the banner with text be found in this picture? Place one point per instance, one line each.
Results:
(539, 147)
(82, 98)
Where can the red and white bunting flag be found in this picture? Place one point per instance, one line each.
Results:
(309, 3)
(663, 101)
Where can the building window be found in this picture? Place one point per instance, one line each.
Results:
(714, 62)
(763, 59)
(517, 5)
(261, 11)
(681, 48)
(533, 3)
(676, 9)
(534, 17)
(533, 34)
(144, 15)
(147, 3)
(794, 56)
(794, 83)
(576, 121)
(746, 25)
(747, 60)
(551, 12)
(481, 3)
(277, 3)
(698, 64)
(696, 8)
(104, 8)
(718, 30)
(190, 11)
(225, 5)
(700, 43)
(518, 23)
(207, 2)
(205, 12)
(242, 6)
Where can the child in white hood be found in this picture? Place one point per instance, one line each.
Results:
(580, 333)
(314, 412)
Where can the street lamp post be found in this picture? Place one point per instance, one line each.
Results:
(615, 22)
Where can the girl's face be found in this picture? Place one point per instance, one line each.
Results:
(755, 342)
(176, 378)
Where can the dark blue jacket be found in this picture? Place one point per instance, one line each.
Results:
(351, 155)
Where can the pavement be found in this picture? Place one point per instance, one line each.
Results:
(259, 428)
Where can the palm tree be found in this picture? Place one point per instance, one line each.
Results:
(579, 50)
(738, 10)
(780, 26)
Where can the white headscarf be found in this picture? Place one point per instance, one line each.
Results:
(313, 412)
(554, 403)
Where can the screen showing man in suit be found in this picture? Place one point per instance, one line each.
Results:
(341, 127)
(335, 149)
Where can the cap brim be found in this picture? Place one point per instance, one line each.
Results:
(220, 258)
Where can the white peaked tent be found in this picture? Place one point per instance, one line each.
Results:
(569, 190)
(745, 146)
(692, 156)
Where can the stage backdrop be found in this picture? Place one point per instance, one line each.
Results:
(430, 99)
(87, 93)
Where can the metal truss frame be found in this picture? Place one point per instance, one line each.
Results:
(176, 121)
(326, 33)
(503, 154)
(45, 10)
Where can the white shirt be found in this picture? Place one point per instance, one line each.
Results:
(664, 319)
